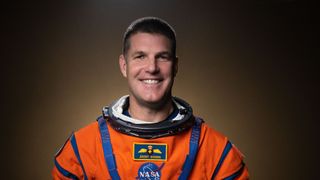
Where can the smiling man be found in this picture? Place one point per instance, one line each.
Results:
(149, 67)
(149, 134)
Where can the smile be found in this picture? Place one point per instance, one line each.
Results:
(151, 81)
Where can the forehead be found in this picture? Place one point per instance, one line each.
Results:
(149, 42)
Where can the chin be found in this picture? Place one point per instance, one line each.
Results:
(158, 100)
(152, 100)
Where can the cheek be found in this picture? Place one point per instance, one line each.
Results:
(133, 71)
(168, 70)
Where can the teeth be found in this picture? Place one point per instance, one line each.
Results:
(150, 81)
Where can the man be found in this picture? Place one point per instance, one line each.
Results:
(148, 134)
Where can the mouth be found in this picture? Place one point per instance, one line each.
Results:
(151, 81)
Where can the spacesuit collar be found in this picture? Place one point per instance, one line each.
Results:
(135, 127)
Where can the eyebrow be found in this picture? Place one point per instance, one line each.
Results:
(169, 54)
(164, 53)
(138, 53)
(157, 54)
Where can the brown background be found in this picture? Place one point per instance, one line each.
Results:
(248, 68)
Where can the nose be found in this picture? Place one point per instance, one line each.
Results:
(152, 66)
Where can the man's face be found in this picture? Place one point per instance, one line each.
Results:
(150, 68)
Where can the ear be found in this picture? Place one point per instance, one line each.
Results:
(123, 65)
(175, 68)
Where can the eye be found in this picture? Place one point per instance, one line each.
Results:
(140, 56)
(164, 57)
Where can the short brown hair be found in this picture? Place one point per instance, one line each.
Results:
(152, 25)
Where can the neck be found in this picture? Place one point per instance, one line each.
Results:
(149, 113)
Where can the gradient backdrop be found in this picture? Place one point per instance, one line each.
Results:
(248, 68)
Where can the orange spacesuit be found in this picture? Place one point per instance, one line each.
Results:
(100, 151)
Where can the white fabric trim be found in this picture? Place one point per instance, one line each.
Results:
(117, 110)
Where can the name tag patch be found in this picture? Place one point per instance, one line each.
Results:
(150, 151)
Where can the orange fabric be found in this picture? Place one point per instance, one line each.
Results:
(211, 146)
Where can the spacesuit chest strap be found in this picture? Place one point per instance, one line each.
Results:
(107, 148)
(193, 149)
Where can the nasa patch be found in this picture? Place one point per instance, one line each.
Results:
(149, 171)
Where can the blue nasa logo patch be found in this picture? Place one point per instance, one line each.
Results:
(149, 171)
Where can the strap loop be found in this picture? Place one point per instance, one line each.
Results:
(193, 150)
(107, 149)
